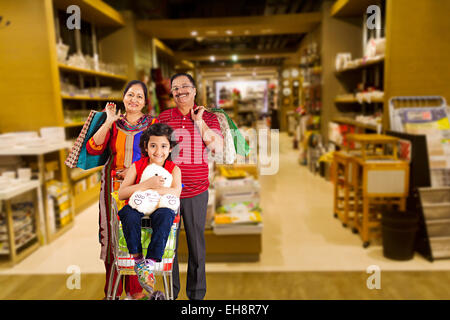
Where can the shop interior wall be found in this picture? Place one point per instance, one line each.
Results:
(337, 35)
(417, 49)
(29, 81)
(128, 46)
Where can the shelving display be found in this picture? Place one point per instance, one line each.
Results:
(19, 220)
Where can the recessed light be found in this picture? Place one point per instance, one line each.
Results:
(234, 57)
(256, 57)
(212, 58)
(229, 32)
(194, 33)
(228, 74)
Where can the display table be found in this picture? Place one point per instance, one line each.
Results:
(225, 248)
(40, 152)
(18, 252)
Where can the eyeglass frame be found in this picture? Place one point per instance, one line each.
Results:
(175, 89)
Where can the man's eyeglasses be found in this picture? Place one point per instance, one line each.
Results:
(175, 89)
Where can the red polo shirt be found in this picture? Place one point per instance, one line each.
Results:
(190, 154)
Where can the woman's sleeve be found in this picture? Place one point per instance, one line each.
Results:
(95, 149)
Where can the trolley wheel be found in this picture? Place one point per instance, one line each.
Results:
(354, 230)
(366, 244)
(158, 295)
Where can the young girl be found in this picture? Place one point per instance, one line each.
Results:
(156, 146)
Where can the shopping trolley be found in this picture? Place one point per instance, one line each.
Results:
(123, 262)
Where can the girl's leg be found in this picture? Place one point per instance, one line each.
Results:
(162, 220)
(131, 226)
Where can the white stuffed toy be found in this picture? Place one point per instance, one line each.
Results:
(147, 201)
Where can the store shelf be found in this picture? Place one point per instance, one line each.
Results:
(87, 197)
(35, 150)
(362, 65)
(352, 99)
(67, 68)
(78, 174)
(355, 123)
(87, 98)
(350, 8)
(17, 189)
(74, 124)
(95, 11)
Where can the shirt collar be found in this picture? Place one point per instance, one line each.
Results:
(177, 114)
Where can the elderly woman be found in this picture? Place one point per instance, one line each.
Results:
(121, 134)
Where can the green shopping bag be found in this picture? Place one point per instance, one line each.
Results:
(241, 146)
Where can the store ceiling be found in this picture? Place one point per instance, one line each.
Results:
(208, 33)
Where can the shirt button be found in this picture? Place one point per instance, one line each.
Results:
(183, 127)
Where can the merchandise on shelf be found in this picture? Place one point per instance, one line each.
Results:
(237, 199)
(58, 200)
(23, 223)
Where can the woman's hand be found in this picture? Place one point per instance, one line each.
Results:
(155, 182)
(111, 114)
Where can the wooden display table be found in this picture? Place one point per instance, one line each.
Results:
(17, 253)
(378, 182)
(225, 248)
(345, 185)
(369, 143)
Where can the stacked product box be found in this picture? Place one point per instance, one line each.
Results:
(58, 198)
(238, 210)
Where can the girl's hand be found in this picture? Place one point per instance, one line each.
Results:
(155, 182)
(197, 114)
(111, 114)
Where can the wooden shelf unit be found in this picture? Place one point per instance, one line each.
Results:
(350, 8)
(17, 253)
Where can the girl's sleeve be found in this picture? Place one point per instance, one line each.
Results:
(95, 149)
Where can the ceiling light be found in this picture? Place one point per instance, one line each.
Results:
(228, 74)
(229, 32)
(256, 57)
(194, 33)
(212, 58)
(234, 57)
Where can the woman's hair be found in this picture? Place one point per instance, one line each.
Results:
(159, 130)
(182, 74)
(132, 83)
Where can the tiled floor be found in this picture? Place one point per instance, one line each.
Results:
(300, 233)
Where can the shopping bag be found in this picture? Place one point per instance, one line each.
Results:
(229, 151)
(240, 145)
(78, 156)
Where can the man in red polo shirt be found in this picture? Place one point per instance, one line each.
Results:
(195, 129)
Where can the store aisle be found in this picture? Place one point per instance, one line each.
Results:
(300, 233)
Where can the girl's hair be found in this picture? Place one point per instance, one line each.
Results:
(159, 130)
(132, 83)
